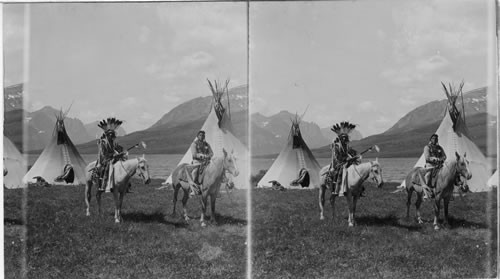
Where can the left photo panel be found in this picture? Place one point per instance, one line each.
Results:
(125, 147)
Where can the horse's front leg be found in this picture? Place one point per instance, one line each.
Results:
(184, 203)
(213, 197)
(409, 193)
(176, 191)
(354, 203)
(88, 196)
(446, 202)
(322, 191)
(117, 203)
(120, 203)
(332, 203)
(203, 199)
(350, 208)
(98, 197)
(437, 207)
(418, 203)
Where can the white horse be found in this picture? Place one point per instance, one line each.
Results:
(356, 175)
(119, 181)
(453, 172)
(210, 186)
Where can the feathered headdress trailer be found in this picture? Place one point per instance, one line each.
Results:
(110, 125)
(343, 128)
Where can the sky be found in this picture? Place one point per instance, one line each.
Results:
(368, 62)
(134, 61)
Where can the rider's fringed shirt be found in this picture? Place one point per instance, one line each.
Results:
(107, 149)
(340, 154)
(433, 151)
(200, 147)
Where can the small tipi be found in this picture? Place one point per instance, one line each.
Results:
(59, 160)
(493, 181)
(453, 137)
(14, 165)
(293, 158)
(218, 133)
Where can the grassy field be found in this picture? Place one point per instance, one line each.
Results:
(56, 240)
(289, 240)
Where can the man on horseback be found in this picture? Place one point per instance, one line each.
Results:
(343, 156)
(434, 158)
(202, 153)
(109, 151)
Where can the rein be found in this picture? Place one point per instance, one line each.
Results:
(354, 166)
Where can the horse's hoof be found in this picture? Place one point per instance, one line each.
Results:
(436, 228)
(203, 224)
(88, 214)
(420, 221)
(351, 225)
(322, 217)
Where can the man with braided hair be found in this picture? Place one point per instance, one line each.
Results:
(202, 153)
(434, 158)
(343, 156)
(109, 151)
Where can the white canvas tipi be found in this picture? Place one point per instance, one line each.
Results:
(453, 137)
(14, 165)
(294, 157)
(493, 181)
(56, 157)
(218, 133)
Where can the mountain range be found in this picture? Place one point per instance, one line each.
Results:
(174, 131)
(40, 124)
(411, 133)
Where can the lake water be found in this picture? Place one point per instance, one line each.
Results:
(394, 169)
(161, 165)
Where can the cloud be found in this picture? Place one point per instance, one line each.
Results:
(218, 24)
(435, 38)
(432, 64)
(128, 102)
(407, 101)
(383, 120)
(196, 60)
(366, 106)
(429, 26)
(171, 98)
(13, 28)
(147, 116)
(144, 34)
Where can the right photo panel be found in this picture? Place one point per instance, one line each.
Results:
(373, 139)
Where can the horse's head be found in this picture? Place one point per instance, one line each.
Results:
(462, 166)
(376, 173)
(230, 164)
(143, 169)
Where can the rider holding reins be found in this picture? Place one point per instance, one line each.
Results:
(109, 151)
(434, 158)
(202, 153)
(343, 156)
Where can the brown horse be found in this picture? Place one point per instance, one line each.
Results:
(451, 172)
(119, 182)
(356, 175)
(210, 186)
